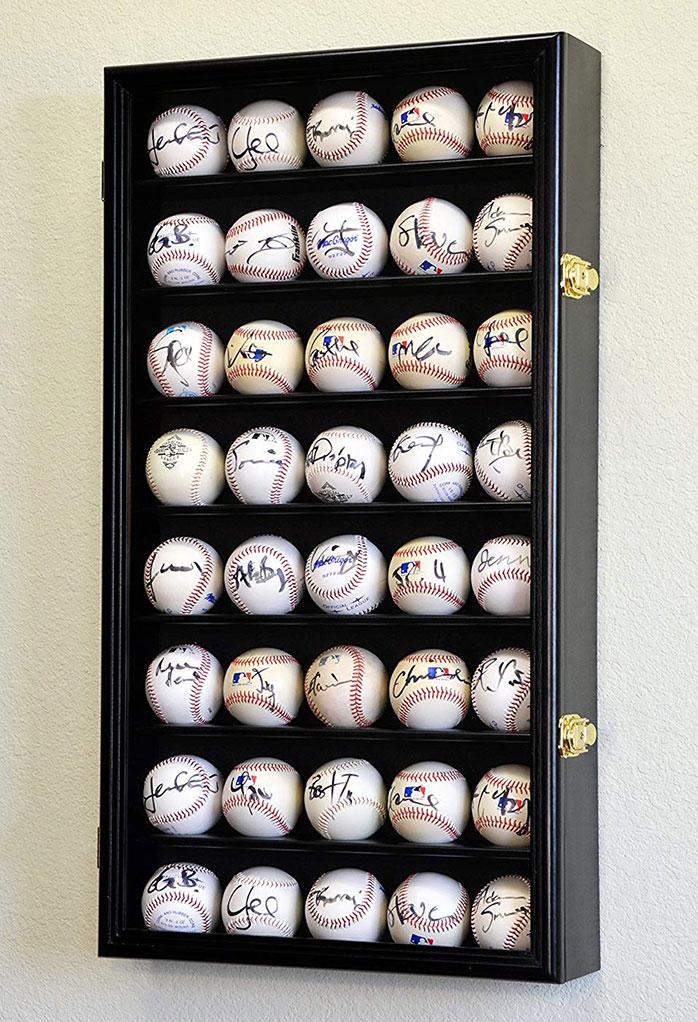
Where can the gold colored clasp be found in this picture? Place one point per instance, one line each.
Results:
(578, 278)
(577, 735)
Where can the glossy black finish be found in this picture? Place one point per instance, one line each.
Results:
(563, 176)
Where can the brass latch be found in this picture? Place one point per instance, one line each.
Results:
(577, 735)
(578, 278)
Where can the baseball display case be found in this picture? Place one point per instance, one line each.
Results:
(561, 173)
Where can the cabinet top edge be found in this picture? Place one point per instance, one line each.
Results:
(529, 46)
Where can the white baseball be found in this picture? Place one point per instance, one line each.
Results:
(346, 575)
(184, 685)
(345, 800)
(264, 357)
(504, 119)
(430, 351)
(265, 245)
(346, 465)
(262, 797)
(263, 687)
(430, 690)
(432, 236)
(503, 233)
(267, 135)
(502, 806)
(429, 908)
(187, 141)
(502, 349)
(501, 914)
(501, 576)
(262, 901)
(182, 897)
(265, 466)
(503, 461)
(186, 250)
(501, 690)
(347, 241)
(186, 360)
(185, 467)
(345, 355)
(435, 123)
(429, 575)
(183, 575)
(429, 803)
(346, 904)
(431, 462)
(347, 129)
(264, 575)
(346, 686)
(182, 795)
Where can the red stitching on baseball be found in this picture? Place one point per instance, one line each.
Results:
(259, 333)
(424, 134)
(240, 696)
(355, 139)
(168, 897)
(197, 686)
(412, 812)
(426, 369)
(508, 97)
(504, 574)
(204, 141)
(270, 812)
(502, 823)
(366, 242)
(277, 485)
(424, 322)
(518, 247)
(501, 137)
(427, 236)
(425, 923)
(257, 548)
(259, 373)
(518, 787)
(328, 815)
(439, 547)
(203, 375)
(169, 255)
(505, 362)
(433, 472)
(355, 916)
(420, 695)
(342, 362)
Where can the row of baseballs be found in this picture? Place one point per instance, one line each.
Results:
(344, 575)
(428, 803)
(429, 462)
(345, 686)
(430, 351)
(347, 241)
(344, 904)
(346, 129)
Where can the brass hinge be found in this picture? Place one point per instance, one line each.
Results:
(97, 847)
(577, 735)
(578, 277)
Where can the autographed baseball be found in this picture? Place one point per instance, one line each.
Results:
(429, 352)
(182, 897)
(346, 686)
(183, 575)
(347, 129)
(503, 233)
(262, 797)
(429, 575)
(501, 576)
(265, 245)
(265, 466)
(345, 800)
(264, 575)
(183, 685)
(187, 141)
(186, 250)
(346, 575)
(262, 901)
(435, 123)
(502, 349)
(430, 690)
(346, 904)
(346, 465)
(267, 135)
(182, 795)
(432, 236)
(264, 357)
(503, 461)
(429, 908)
(504, 119)
(347, 241)
(263, 687)
(186, 360)
(431, 462)
(429, 803)
(501, 914)
(185, 467)
(502, 806)
(345, 355)
(501, 690)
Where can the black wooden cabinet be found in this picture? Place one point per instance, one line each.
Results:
(563, 177)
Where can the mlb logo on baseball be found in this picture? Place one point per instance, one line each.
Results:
(411, 788)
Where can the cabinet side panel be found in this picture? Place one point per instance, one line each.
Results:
(577, 452)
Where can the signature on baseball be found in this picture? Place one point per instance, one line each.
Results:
(507, 673)
(408, 231)
(164, 569)
(176, 673)
(416, 794)
(250, 574)
(413, 118)
(255, 680)
(338, 787)
(331, 344)
(500, 448)
(171, 234)
(331, 556)
(404, 679)
(341, 459)
(506, 804)
(182, 780)
(493, 906)
(488, 560)
(244, 142)
(419, 351)
(497, 221)
(317, 133)
(181, 133)
(253, 905)
(170, 878)
(413, 441)
(240, 453)
(513, 118)
(245, 784)
(421, 912)
(518, 339)
(320, 897)
(338, 240)
(177, 355)
(274, 243)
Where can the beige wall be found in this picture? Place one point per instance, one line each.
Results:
(50, 298)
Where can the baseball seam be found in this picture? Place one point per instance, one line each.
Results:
(271, 813)
(293, 594)
(406, 813)
(169, 255)
(404, 141)
(355, 916)
(168, 897)
(328, 815)
(441, 925)
(340, 152)
(204, 142)
(429, 692)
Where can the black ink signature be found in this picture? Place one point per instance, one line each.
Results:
(181, 781)
(171, 234)
(420, 351)
(332, 344)
(403, 679)
(506, 804)
(250, 574)
(322, 450)
(321, 683)
(254, 678)
(170, 878)
(414, 441)
(182, 133)
(339, 239)
(413, 910)
(252, 906)
(518, 340)
(320, 897)
(497, 221)
(330, 555)
(317, 133)
(492, 907)
(412, 118)
(252, 145)
(163, 570)
(513, 118)
(270, 456)
(338, 786)
(177, 354)
(408, 230)
(507, 673)
(176, 673)
(488, 560)
(500, 448)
